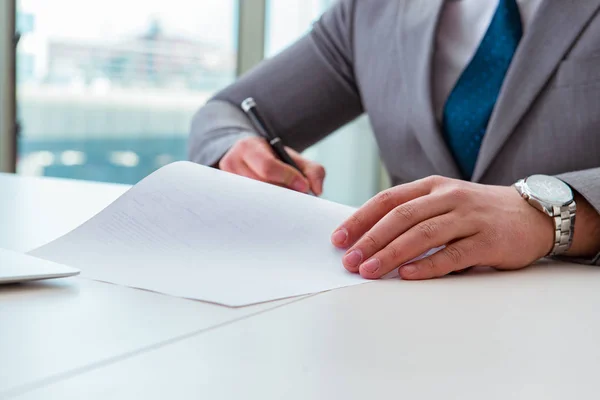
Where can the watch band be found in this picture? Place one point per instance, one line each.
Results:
(564, 223)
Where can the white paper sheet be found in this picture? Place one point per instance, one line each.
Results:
(200, 233)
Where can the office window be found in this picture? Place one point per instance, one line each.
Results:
(107, 90)
(350, 155)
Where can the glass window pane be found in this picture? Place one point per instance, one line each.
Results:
(350, 155)
(107, 90)
(287, 20)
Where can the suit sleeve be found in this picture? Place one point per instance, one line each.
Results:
(305, 92)
(587, 184)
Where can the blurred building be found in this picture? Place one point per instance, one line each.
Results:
(154, 59)
(114, 112)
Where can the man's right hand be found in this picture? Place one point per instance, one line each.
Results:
(252, 157)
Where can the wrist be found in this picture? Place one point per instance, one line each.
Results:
(539, 226)
(555, 201)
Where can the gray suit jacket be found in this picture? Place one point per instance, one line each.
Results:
(375, 56)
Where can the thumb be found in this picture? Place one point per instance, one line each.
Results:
(316, 176)
(314, 172)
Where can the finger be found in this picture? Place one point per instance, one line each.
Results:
(314, 172)
(375, 209)
(236, 165)
(229, 163)
(429, 234)
(393, 225)
(244, 170)
(455, 257)
(263, 163)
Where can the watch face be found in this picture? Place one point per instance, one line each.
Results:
(549, 189)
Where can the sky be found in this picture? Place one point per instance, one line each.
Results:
(207, 20)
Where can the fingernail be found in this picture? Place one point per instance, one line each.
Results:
(408, 270)
(339, 237)
(299, 185)
(371, 266)
(353, 258)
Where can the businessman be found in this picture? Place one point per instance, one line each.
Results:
(487, 115)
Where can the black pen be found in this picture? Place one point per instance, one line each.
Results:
(251, 110)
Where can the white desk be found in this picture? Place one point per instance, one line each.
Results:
(530, 334)
(54, 328)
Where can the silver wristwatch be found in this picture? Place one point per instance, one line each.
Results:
(554, 198)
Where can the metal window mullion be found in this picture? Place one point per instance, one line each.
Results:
(7, 86)
(251, 34)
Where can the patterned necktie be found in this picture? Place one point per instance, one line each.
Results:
(470, 104)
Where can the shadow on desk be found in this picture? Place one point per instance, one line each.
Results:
(41, 287)
(539, 265)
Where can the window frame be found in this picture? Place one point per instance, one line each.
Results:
(252, 21)
(8, 125)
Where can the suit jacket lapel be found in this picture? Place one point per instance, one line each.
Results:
(545, 43)
(418, 24)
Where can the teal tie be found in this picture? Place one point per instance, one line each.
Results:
(471, 102)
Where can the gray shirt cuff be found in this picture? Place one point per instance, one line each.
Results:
(210, 153)
(215, 128)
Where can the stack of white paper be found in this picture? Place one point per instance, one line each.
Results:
(200, 233)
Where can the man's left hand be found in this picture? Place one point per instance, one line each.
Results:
(480, 225)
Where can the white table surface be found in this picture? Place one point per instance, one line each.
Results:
(51, 329)
(530, 334)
